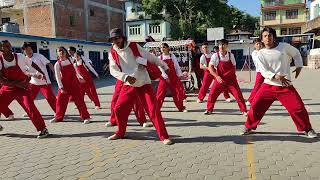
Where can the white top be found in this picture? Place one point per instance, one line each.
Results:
(42, 62)
(255, 59)
(176, 65)
(215, 60)
(22, 63)
(203, 59)
(87, 64)
(130, 66)
(57, 70)
(277, 61)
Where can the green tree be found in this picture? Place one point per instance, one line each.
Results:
(191, 18)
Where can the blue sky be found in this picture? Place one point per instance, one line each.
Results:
(250, 6)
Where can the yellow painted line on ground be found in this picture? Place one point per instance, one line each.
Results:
(250, 159)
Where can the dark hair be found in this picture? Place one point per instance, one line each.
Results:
(224, 41)
(79, 53)
(72, 48)
(165, 45)
(271, 31)
(4, 41)
(65, 51)
(257, 40)
(204, 44)
(25, 45)
(216, 47)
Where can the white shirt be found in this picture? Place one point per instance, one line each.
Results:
(203, 59)
(176, 65)
(57, 70)
(277, 61)
(255, 59)
(42, 62)
(215, 60)
(87, 64)
(130, 66)
(22, 63)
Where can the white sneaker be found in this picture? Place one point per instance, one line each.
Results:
(185, 110)
(146, 124)
(1, 128)
(108, 124)
(228, 100)
(114, 137)
(248, 103)
(311, 134)
(97, 107)
(207, 112)
(54, 120)
(199, 101)
(244, 113)
(86, 121)
(11, 117)
(25, 115)
(167, 142)
(246, 131)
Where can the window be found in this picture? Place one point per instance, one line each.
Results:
(270, 15)
(17, 49)
(94, 56)
(72, 21)
(91, 12)
(283, 31)
(292, 14)
(296, 30)
(134, 30)
(154, 29)
(5, 20)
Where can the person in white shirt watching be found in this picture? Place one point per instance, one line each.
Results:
(125, 67)
(274, 63)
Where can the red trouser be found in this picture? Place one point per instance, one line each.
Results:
(63, 100)
(177, 96)
(137, 108)
(8, 95)
(232, 86)
(257, 85)
(206, 82)
(7, 112)
(288, 97)
(46, 91)
(127, 98)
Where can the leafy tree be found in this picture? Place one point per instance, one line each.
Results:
(191, 18)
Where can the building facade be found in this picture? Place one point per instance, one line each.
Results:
(139, 26)
(73, 19)
(287, 17)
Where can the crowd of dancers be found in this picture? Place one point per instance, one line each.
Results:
(23, 76)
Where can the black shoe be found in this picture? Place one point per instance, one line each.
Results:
(1, 128)
(43, 134)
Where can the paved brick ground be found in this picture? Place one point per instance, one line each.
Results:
(207, 147)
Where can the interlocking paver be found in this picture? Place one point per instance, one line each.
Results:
(207, 147)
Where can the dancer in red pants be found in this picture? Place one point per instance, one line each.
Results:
(42, 85)
(207, 77)
(15, 81)
(171, 80)
(274, 63)
(259, 78)
(137, 108)
(88, 85)
(223, 67)
(69, 85)
(125, 67)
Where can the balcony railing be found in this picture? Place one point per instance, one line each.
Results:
(280, 2)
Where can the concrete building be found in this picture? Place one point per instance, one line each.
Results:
(287, 17)
(72, 19)
(139, 26)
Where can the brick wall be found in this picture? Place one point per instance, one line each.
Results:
(39, 21)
